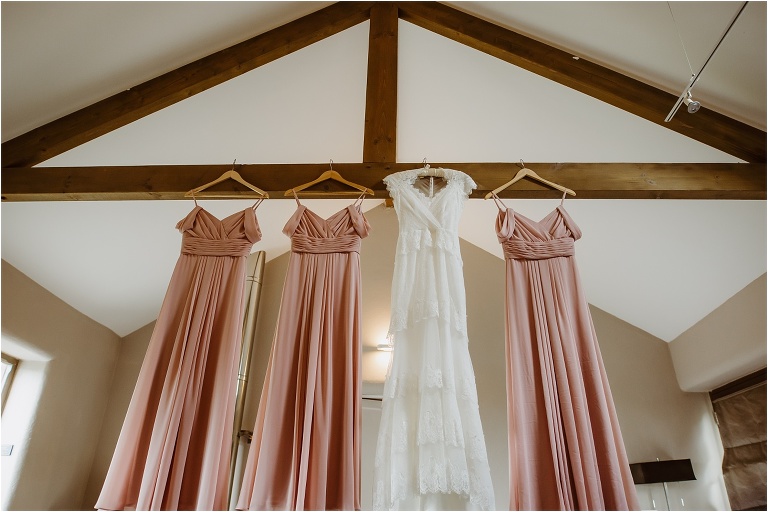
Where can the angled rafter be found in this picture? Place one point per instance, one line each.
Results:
(695, 181)
(653, 104)
(589, 180)
(123, 108)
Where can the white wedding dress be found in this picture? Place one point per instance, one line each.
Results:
(430, 453)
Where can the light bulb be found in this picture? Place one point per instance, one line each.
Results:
(693, 105)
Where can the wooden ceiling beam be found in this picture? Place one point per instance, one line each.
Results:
(704, 181)
(380, 136)
(125, 107)
(706, 126)
(589, 180)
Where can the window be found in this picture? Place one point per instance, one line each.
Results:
(9, 365)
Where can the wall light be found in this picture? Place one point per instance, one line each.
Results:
(384, 347)
(661, 472)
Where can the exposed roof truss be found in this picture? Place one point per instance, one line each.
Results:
(22, 181)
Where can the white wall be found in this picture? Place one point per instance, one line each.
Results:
(54, 411)
(727, 344)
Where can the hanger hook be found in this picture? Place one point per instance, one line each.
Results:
(331, 164)
(233, 163)
(424, 163)
(521, 164)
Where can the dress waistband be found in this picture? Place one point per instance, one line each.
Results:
(204, 247)
(522, 250)
(342, 243)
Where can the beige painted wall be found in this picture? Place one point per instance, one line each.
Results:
(68, 363)
(727, 344)
(126, 371)
(657, 418)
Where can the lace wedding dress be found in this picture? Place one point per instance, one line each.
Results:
(430, 453)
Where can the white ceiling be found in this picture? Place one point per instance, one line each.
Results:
(660, 265)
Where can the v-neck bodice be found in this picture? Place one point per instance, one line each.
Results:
(526, 239)
(204, 234)
(425, 187)
(341, 232)
(428, 221)
(428, 233)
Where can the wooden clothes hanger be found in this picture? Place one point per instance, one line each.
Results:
(527, 173)
(330, 175)
(427, 171)
(231, 174)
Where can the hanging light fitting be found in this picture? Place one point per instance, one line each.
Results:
(693, 105)
(685, 96)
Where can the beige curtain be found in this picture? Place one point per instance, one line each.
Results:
(741, 418)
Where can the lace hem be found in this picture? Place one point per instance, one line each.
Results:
(406, 386)
(430, 442)
(435, 477)
(443, 477)
(419, 310)
(436, 435)
(440, 417)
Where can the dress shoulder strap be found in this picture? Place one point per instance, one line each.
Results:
(499, 203)
(359, 201)
(296, 197)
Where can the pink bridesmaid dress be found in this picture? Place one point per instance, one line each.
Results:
(174, 448)
(305, 453)
(565, 446)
